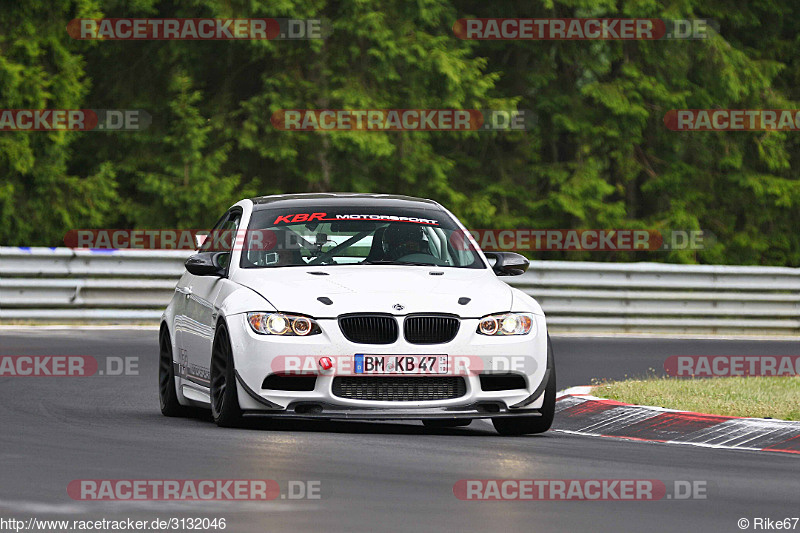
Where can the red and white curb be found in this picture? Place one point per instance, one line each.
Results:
(578, 412)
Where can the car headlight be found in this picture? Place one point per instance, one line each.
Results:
(507, 324)
(283, 324)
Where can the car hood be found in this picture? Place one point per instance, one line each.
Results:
(377, 288)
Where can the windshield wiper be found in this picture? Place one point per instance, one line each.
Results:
(392, 262)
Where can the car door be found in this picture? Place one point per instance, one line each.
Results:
(201, 294)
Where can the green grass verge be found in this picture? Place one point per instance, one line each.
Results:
(756, 397)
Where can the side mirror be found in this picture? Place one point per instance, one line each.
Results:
(208, 263)
(508, 263)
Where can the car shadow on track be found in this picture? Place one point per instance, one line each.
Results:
(258, 423)
(359, 427)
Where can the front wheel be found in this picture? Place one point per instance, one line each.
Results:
(523, 425)
(224, 398)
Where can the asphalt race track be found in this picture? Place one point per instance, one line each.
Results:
(374, 476)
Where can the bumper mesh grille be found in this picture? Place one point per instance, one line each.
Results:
(430, 329)
(369, 329)
(399, 389)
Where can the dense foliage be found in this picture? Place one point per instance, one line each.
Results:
(599, 156)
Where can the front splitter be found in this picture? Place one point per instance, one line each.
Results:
(321, 411)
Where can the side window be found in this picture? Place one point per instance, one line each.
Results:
(223, 237)
(213, 241)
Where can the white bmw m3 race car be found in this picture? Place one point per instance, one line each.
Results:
(358, 307)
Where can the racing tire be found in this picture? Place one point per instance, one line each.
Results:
(225, 408)
(524, 425)
(167, 393)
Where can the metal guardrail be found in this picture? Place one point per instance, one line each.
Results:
(64, 285)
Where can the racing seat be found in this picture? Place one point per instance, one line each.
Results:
(376, 252)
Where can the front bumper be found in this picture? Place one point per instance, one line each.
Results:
(255, 357)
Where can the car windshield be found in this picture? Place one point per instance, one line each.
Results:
(367, 236)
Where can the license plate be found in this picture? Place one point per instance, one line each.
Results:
(400, 364)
